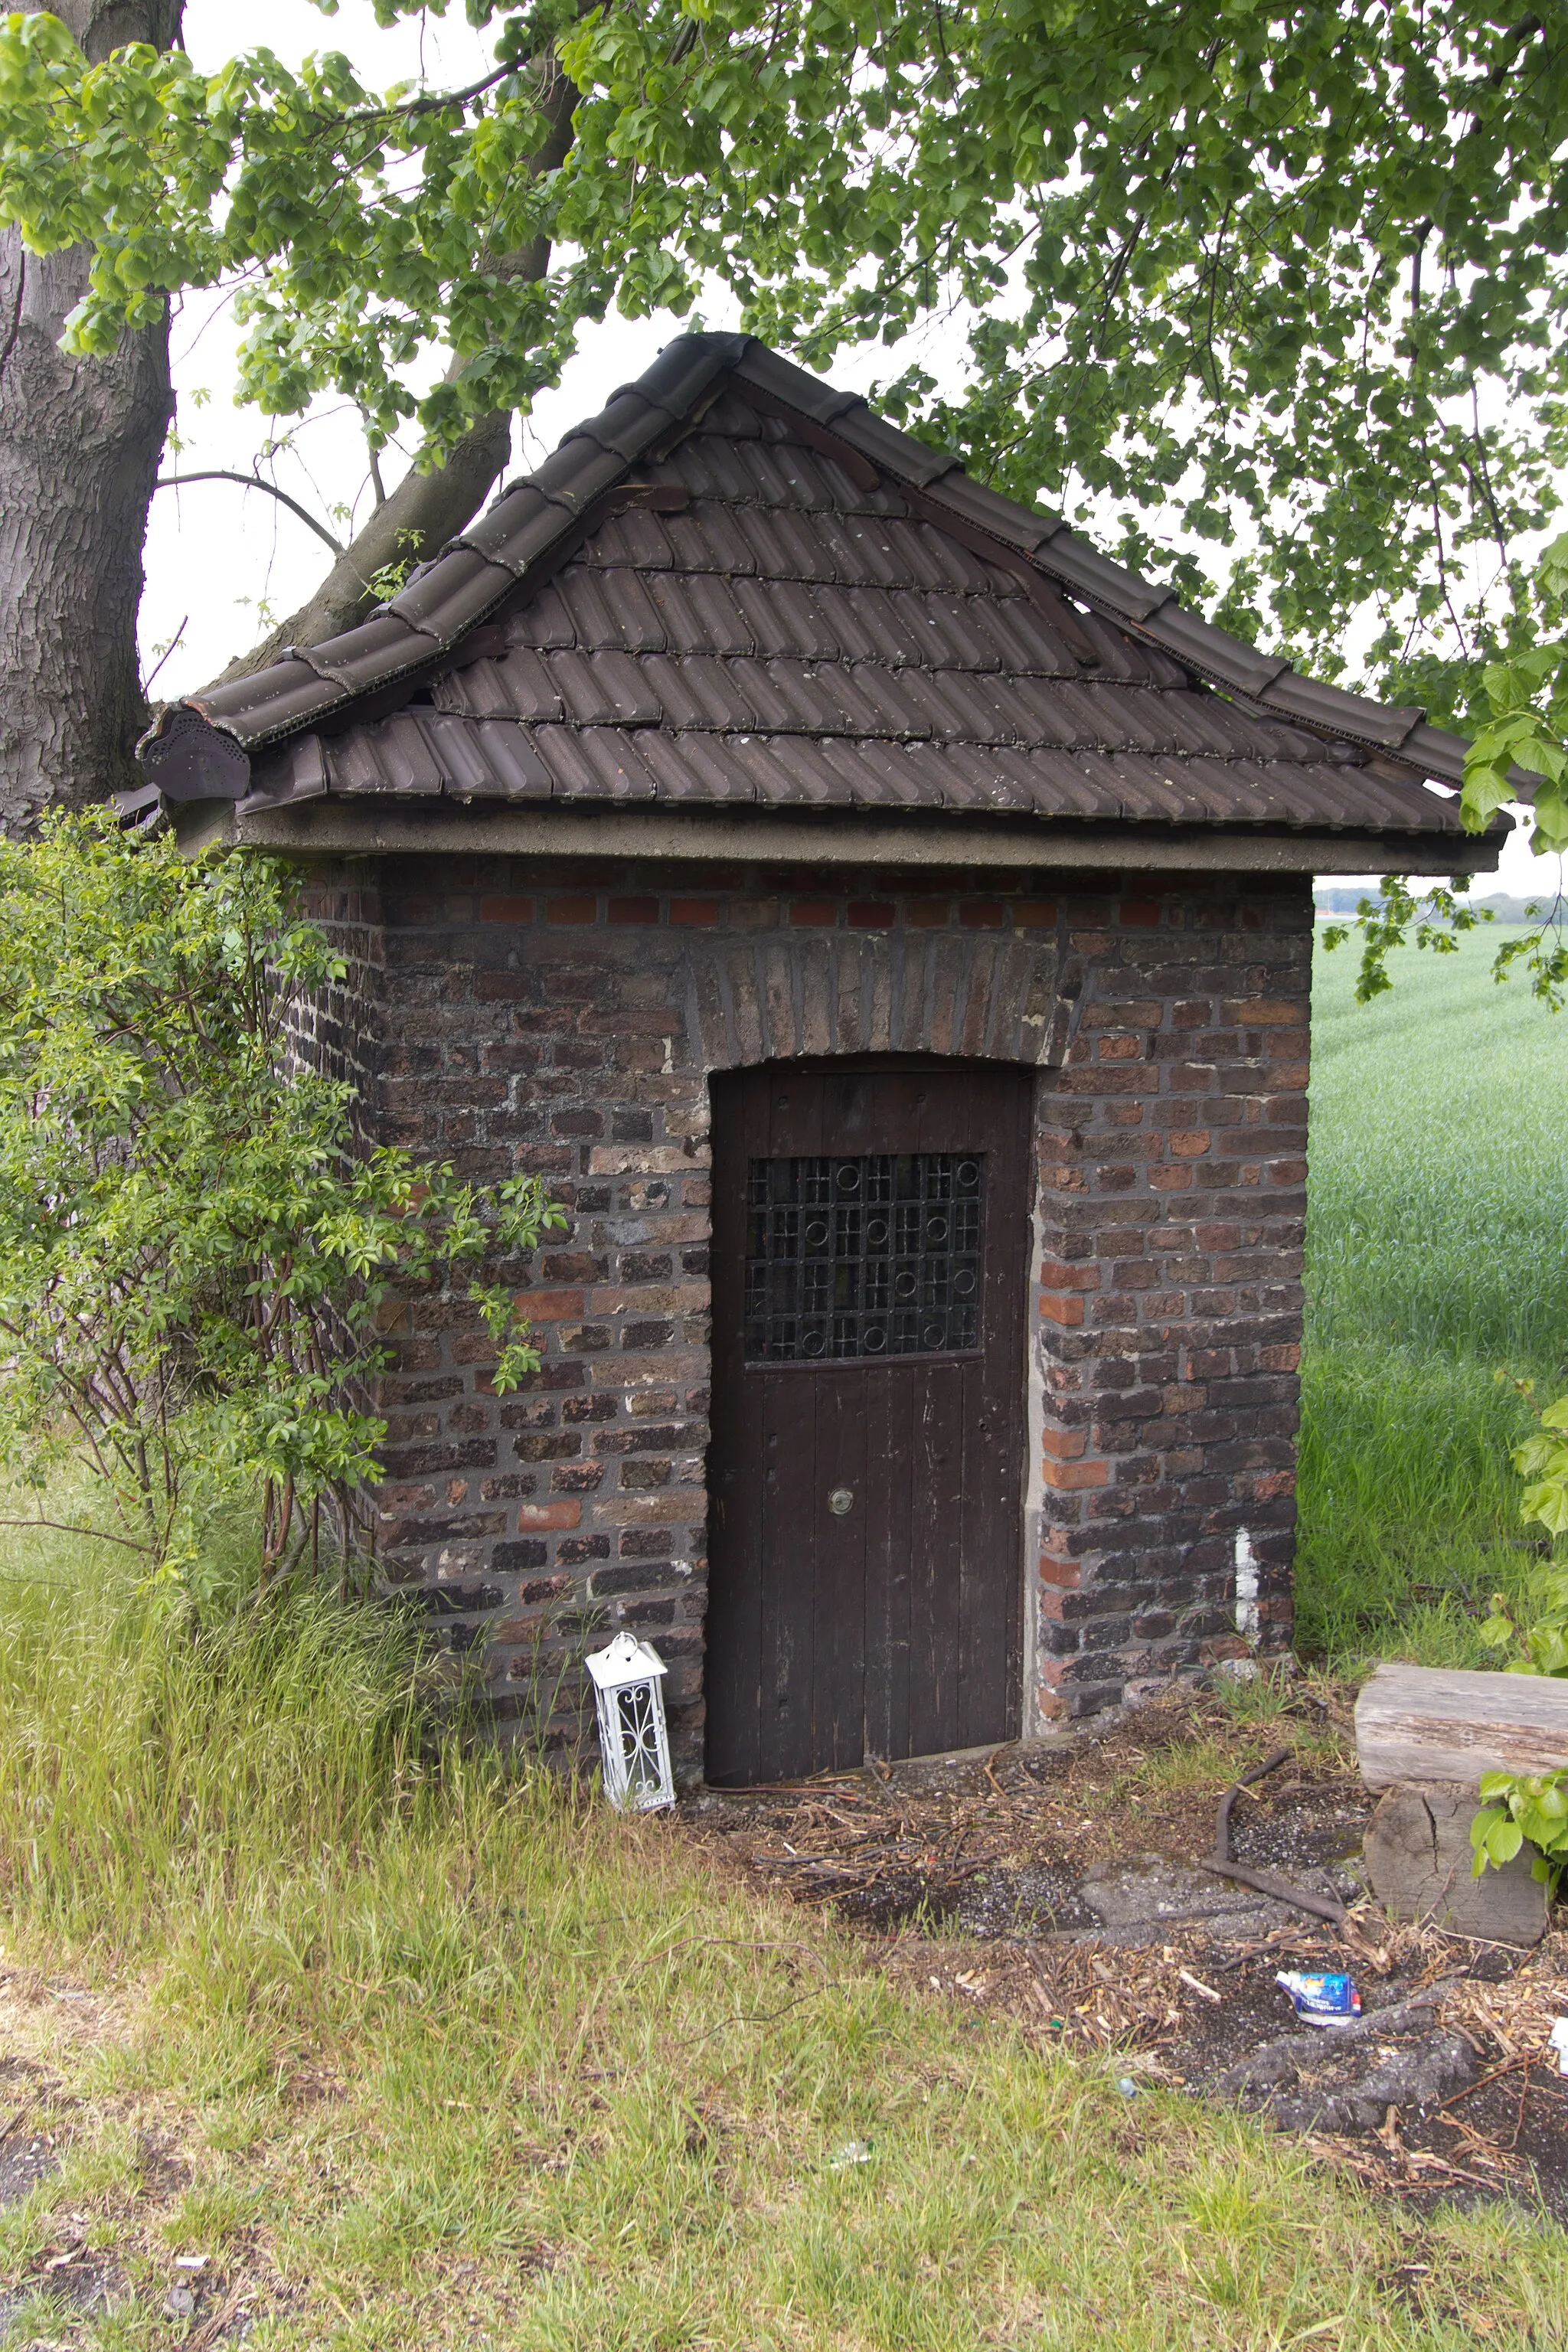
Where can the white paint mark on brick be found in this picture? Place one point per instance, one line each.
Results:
(1247, 1619)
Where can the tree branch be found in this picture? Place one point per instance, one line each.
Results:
(253, 482)
(434, 102)
(426, 509)
(65, 1527)
(422, 513)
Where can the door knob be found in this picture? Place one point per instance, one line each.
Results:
(840, 1502)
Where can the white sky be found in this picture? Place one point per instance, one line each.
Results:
(215, 551)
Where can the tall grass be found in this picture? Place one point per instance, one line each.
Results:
(454, 2056)
(151, 1758)
(1438, 1258)
(263, 1805)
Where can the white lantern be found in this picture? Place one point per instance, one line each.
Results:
(633, 1741)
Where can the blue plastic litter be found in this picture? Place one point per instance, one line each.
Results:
(1329, 2000)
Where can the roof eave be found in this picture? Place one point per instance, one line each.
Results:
(334, 826)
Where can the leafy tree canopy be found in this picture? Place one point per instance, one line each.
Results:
(1521, 720)
(1290, 275)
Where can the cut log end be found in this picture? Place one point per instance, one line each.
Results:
(1419, 1866)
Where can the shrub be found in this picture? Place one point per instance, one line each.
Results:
(194, 1253)
(1531, 1807)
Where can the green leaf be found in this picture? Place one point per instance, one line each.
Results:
(1503, 1840)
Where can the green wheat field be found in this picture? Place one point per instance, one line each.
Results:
(1438, 1260)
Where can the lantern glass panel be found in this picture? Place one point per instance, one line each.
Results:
(640, 1728)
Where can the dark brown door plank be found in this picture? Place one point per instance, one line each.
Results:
(889, 1549)
(789, 1627)
(839, 1553)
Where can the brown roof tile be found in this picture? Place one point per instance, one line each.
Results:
(511, 759)
(638, 537)
(707, 537)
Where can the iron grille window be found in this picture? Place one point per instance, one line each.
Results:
(879, 1257)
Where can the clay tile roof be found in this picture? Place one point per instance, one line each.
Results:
(737, 585)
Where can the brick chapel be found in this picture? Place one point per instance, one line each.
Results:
(887, 924)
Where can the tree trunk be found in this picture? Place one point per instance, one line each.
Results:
(80, 444)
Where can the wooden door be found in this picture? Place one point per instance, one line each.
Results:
(866, 1472)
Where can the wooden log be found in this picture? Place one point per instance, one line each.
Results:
(1435, 1723)
(1419, 1864)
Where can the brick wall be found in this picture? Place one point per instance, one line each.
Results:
(340, 1028)
(564, 1018)
(1172, 1206)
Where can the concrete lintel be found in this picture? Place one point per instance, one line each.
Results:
(334, 827)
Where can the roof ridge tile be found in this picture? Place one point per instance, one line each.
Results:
(1443, 754)
(688, 366)
(815, 398)
(1317, 705)
(578, 472)
(1008, 519)
(897, 452)
(360, 659)
(1067, 557)
(519, 528)
(626, 424)
(1213, 653)
(463, 587)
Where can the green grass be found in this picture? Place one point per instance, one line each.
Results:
(431, 2052)
(1437, 1257)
